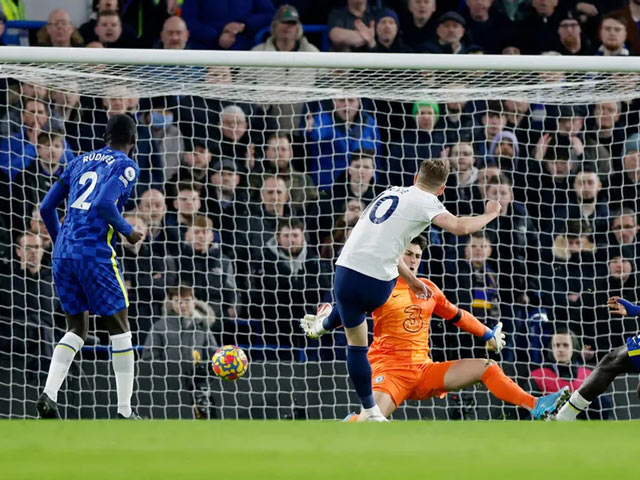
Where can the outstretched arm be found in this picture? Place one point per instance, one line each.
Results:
(620, 306)
(48, 209)
(494, 337)
(467, 225)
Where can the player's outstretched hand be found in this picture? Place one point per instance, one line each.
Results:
(620, 306)
(135, 236)
(493, 208)
(497, 343)
(420, 289)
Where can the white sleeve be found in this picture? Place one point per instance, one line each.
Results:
(431, 207)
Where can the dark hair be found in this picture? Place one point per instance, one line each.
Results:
(181, 291)
(22, 235)
(107, 13)
(121, 131)
(291, 224)
(194, 187)
(501, 179)
(479, 235)
(617, 18)
(420, 240)
(202, 221)
(365, 152)
(45, 138)
(495, 108)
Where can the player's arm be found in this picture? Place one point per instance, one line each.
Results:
(620, 306)
(418, 287)
(49, 208)
(467, 225)
(105, 204)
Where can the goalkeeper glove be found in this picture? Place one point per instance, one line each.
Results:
(631, 309)
(496, 340)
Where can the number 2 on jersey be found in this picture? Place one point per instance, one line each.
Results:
(80, 201)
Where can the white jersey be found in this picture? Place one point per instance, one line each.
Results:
(385, 228)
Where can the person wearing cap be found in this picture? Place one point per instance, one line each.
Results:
(226, 24)
(450, 31)
(625, 184)
(352, 27)
(286, 33)
(418, 142)
(387, 34)
(571, 41)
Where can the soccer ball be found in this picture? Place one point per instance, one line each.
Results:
(229, 362)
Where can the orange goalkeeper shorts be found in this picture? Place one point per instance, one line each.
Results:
(415, 382)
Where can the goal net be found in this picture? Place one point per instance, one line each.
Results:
(255, 168)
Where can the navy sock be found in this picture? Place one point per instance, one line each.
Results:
(332, 321)
(360, 373)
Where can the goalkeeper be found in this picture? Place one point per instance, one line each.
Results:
(399, 355)
(624, 359)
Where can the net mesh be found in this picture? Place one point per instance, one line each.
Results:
(231, 156)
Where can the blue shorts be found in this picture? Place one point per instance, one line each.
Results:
(94, 286)
(357, 294)
(633, 348)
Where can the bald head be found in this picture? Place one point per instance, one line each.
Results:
(59, 28)
(174, 35)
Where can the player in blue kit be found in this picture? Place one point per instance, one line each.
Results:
(621, 360)
(85, 270)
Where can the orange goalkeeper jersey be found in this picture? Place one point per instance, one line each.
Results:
(401, 325)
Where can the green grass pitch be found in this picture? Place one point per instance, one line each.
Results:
(265, 450)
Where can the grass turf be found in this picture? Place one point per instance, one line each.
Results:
(306, 450)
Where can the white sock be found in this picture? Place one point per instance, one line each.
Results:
(61, 360)
(574, 407)
(373, 411)
(122, 361)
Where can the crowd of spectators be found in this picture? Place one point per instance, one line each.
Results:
(246, 206)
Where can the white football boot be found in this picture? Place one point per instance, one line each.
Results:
(312, 324)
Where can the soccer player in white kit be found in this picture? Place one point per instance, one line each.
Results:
(371, 260)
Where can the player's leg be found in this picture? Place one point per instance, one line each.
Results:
(74, 303)
(122, 359)
(614, 363)
(385, 403)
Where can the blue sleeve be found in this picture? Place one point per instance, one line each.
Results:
(106, 206)
(48, 208)
(203, 29)
(263, 11)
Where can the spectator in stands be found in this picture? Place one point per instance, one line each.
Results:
(486, 27)
(569, 127)
(630, 13)
(569, 276)
(450, 31)
(603, 143)
(504, 151)
(232, 138)
(11, 123)
(160, 115)
(174, 34)
(585, 203)
(570, 38)
(109, 31)
(462, 192)
(88, 29)
(456, 120)
(417, 23)
(419, 141)
(194, 167)
(290, 281)
(147, 18)
(567, 369)
(152, 207)
(32, 184)
(226, 24)
(273, 205)
(187, 205)
(59, 31)
(37, 226)
(613, 35)
(387, 38)
(19, 151)
(27, 307)
(178, 346)
(352, 27)
(625, 184)
(202, 264)
(622, 239)
(66, 113)
(493, 122)
(357, 181)
(539, 27)
(333, 242)
(333, 135)
(518, 120)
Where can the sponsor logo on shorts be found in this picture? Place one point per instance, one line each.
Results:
(379, 379)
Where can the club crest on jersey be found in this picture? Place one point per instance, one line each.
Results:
(379, 379)
(129, 173)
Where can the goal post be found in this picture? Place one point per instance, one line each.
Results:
(254, 168)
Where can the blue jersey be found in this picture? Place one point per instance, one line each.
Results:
(84, 234)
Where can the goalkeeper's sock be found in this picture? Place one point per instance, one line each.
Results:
(506, 389)
(61, 360)
(574, 407)
(360, 373)
(122, 361)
